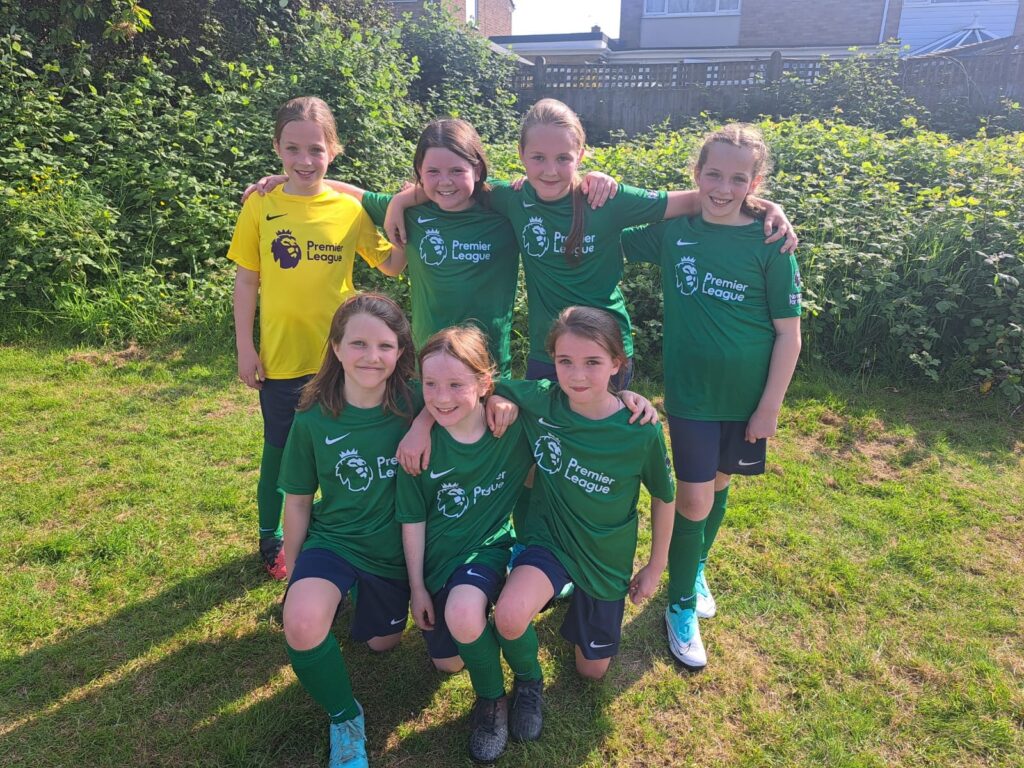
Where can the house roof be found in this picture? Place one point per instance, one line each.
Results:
(969, 35)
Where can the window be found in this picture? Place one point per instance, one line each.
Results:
(690, 7)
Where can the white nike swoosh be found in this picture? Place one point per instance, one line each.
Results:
(435, 475)
(528, 205)
(474, 574)
(599, 645)
(397, 621)
(685, 242)
(545, 424)
(749, 463)
(329, 441)
(421, 220)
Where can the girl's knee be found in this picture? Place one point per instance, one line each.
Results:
(465, 627)
(592, 669)
(305, 628)
(384, 643)
(510, 622)
(451, 665)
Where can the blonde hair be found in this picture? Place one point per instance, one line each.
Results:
(315, 111)
(554, 113)
(744, 136)
(592, 324)
(468, 345)
(327, 387)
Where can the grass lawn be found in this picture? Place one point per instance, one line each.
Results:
(869, 590)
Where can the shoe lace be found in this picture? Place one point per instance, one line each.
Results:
(528, 695)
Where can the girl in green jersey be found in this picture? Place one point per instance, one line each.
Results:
(351, 416)
(731, 342)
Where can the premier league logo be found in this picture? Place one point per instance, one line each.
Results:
(452, 500)
(535, 238)
(686, 276)
(286, 250)
(432, 248)
(547, 451)
(353, 471)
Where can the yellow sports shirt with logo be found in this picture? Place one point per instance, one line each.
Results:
(303, 248)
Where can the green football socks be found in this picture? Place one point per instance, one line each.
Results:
(270, 500)
(323, 674)
(483, 662)
(522, 654)
(714, 520)
(683, 559)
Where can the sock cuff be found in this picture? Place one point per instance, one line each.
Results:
(685, 525)
(308, 658)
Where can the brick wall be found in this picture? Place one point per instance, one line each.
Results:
(495, 16)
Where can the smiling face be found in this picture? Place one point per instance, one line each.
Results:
(724, 181)
(368, 352)
(305, 154)
(448, 180)
(551, 156)
(584, 368)
(453, 394)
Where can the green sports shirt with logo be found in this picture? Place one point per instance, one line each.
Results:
(351, 460)
(588, 476)
(722, 286)
(463, 266)
(552, 284)
(466, 499)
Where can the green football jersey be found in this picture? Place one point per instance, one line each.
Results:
(463, 266)
(466, 499)
(552, 284)
(589, 473)
(351, 459)
(723, 286)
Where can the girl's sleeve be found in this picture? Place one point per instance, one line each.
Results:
(782, 285)
(298, 464)
(376, 206)
(501, 197)
(657, 474)
(245, 242)
(643, 244)
(410, 504)
(534, 397)
(371, 244)
(632, 205)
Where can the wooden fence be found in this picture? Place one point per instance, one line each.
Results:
(633, 97)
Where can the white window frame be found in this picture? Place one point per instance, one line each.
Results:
(667, 14)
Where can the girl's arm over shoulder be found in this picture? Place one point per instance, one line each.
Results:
(414, 451)
(686, 202)
(643, 410)
(501, 414)
(765, 420)
(267, 183)
(394, 220)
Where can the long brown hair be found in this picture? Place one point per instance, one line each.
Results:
(745, 136)
(592, 324)
(468, 345)
(461, 138)
(327, 387)
(555, 113)
(315, 111)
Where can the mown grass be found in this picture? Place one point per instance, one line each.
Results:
(868, 586)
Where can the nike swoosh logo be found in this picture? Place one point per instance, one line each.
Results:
(398, 621)
(434, 475)
(421, 220)
(474, 574)
(528, 205)
(278, 216)
(743, 463)
(685, 242)
(329, 441)
(595, 646)
(545, 424)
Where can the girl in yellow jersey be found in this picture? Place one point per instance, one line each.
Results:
(295, 249)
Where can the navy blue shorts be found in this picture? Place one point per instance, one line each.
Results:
(541, 369)
(594, 626)
(278, 401)
(381, 604)
(440, 643)
(702, 448)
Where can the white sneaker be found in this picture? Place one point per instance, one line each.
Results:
(684, 636)
(706, 606)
